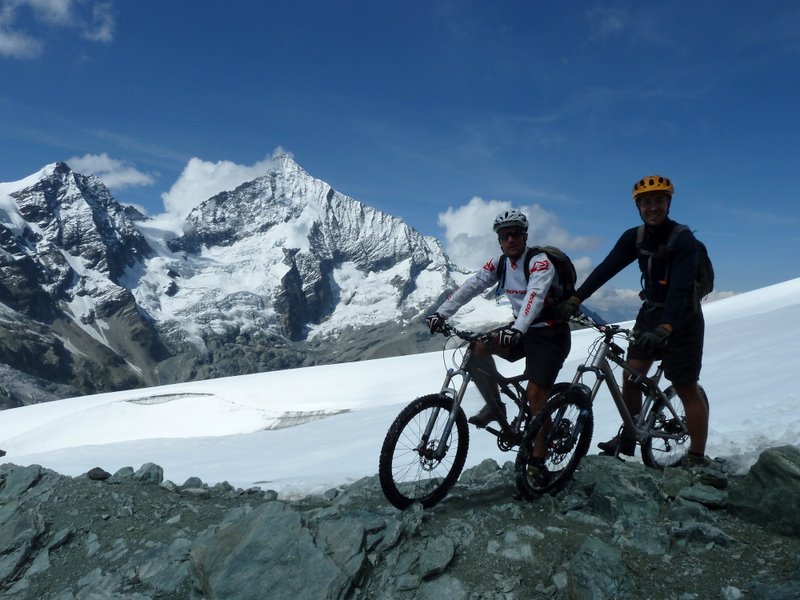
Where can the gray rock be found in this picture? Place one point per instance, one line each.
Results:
(675, 480)
(702, 533)
(705, 495)
(97, 474)
(435, 556)
(480, 472)
(770, 492)
(343, 540)
(604, 536)
(18, 480)
(164, 569)
(193, 482)
(444, 587)
(149, 473)
(19, 531)
(686, 510)
(267, 549)
(123, 474)
(597, 572)
(628, 496)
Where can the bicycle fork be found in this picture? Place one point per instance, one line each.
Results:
(438, 452)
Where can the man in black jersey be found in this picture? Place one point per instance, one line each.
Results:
(670, 322)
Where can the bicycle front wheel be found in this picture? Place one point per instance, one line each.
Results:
(566, 424)
(410, 469)
(659, 451)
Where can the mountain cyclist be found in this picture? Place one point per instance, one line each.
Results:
(537, 333)
(670, 321)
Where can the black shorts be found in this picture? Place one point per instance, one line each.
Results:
(683, 357)
(545, 349)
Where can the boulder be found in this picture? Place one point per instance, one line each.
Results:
(769, 494)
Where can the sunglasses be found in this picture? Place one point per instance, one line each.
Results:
(514, 233)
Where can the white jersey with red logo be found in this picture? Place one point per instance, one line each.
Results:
(527, 298)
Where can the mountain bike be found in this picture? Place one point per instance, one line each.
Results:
(426, 446)
(567, 419)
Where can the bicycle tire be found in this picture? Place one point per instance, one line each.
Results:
(660, 453)
(406, 474)
(570, 405)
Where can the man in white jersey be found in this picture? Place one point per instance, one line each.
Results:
(537, 332)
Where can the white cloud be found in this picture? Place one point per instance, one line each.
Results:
(611, 302)
(116, 174)
(202, 179)
(58, 12)
(18, 45)
(102, 25)
(469, 239)
(97, 25)
(718, 295)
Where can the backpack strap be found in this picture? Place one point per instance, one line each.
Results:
(668, 249)
(642, 252)
(501, 276)
(673, 236)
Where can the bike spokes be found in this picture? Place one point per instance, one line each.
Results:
(556, 440)
(669, 442)
(420, 461)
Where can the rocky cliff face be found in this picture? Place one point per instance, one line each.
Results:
(66, 244)
(269, 275)
(618, 531)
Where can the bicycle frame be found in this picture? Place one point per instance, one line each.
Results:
(641, 425)
(517, 394)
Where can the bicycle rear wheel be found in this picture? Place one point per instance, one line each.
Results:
(567, 423)
(660, 452)
(408, 469)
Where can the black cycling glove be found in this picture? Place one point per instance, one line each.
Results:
(435, 322)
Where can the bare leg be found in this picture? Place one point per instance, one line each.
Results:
(631, 394)
(483, 371)
(537, 398)
(696, 416)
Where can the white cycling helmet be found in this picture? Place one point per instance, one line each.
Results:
(510, 218)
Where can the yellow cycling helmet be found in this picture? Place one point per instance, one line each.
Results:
(652, 183)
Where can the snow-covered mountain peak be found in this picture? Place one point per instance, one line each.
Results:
(313, 257)
(260, 275)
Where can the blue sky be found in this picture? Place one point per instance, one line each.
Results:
(437, 112)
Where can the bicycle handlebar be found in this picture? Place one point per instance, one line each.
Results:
(608, 330)
(486, 337)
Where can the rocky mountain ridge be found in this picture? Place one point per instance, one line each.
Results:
(283, 271)
(619, 530)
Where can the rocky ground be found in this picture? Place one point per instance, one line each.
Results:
(619, 530)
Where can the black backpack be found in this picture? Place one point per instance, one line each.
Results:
(561, 263)
(703, 279)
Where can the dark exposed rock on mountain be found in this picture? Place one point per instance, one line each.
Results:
(267, 276)
(66, 245)
(618, 531)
